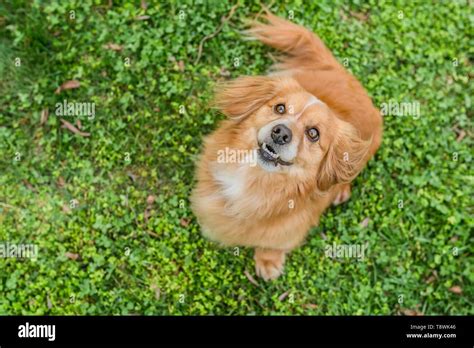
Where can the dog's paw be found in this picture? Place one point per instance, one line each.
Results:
(342, 195)
(269, 263)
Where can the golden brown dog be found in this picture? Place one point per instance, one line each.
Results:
(292, 143)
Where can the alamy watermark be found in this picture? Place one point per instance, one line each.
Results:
(394, 108)
(75, 109)
(339, 251)
(19, 251)
(229, 155)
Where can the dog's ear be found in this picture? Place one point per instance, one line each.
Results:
(239, 98)
(345, 157)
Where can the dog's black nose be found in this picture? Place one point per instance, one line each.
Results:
(281, 134)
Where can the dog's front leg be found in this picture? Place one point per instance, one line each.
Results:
(269, 263)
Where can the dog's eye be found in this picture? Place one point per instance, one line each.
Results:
(313, 134)
(280, 109)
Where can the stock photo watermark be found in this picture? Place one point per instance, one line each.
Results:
(349, 251)
(229, 155)
(401, 109)
(18, 251)
(75, 109)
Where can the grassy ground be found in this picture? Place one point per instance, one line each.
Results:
(107, 247)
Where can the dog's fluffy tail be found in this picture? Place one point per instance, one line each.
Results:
(302, 49)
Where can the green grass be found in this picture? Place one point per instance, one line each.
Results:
(128, 264)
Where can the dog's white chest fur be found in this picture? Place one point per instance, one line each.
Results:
(231, 179)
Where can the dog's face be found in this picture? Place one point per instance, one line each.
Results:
(294, 132)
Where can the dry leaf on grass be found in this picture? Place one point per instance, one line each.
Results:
(310, 306)
(461, 136)
(44, 116)
(150, 200)
(365, 222)
(73, 129)
(456, 289)
(224, 72)
(142, 18)
(132, 176)
(283, 296)
(432, 277)
(113, 47)
(71, 256)
(360, 16)
(250, 278)
(156, 290)
(61, 183)
(460, 133)
(28, 184)
(68, 85)
(343, 15)
(410, 312)
(48, 302)
(153, 234)
(184, 222)
(147, 213)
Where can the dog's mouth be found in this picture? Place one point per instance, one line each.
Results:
(268, 154)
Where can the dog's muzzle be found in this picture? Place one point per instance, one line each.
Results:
(271, 148)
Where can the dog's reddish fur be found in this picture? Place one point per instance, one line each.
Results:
(273, 212)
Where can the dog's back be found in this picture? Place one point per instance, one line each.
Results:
(307, 59)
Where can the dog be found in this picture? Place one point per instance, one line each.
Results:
(309, 127)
